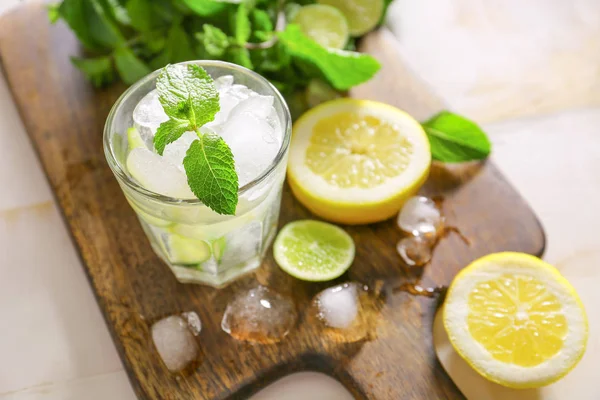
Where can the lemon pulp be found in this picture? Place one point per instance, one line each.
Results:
(517, 320)
(353, 151)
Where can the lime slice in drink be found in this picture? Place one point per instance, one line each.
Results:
(187, 251)
(324, 24)
(134, 140)
(313, 250)
(150, 219)
(362, 15)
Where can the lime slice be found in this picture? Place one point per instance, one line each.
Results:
(362, 15)
(313, 250)
(187, 251)
(324, 24)
(150, 219)
(134, 140)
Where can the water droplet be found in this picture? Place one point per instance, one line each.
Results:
(415, 250)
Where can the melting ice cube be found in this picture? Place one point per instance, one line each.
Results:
(259, 315)
(175, 342)
(148, 115)
(420, 216)
(415, 250)
(338, 306)
(193, 321)
(348, 311)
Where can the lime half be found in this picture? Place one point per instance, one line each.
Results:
(362, 15)
(313, 250)
(324, 24)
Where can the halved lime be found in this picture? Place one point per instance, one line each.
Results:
(313, 250)
(134, 140)
(324, 24)
(187, 251)
(362, 15)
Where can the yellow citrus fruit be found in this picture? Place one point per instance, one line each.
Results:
(357, 161)
(516, 320)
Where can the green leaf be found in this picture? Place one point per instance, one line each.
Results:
(205, 8)
(168, 132)
(343, 69)
(130, 67)
(188, 92)
(210, 170)
(53, 12)
(179, 46)
(215, 41)
(90, 24)
(454, 138)
(241, 56)
(141, 15)
(261, 21)
(241, 24)
(116, 11)
(99, 71)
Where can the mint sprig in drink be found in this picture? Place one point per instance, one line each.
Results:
(200, 150)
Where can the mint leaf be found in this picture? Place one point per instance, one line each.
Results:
(53, 12)
(98, 70)
(241, 24)
(168, 132)
(89, 22)
(141, 15)
(205, 8)
(188, 92)
(261, 21)
(211, 174)
(116, 11)
(130, 67)
(241, 56)
(454, 138)
(215, 41)
(179, 46)
(343, 69)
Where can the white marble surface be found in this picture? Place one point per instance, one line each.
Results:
(496, 61)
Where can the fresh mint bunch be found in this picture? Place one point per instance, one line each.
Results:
(127, 39)
(190, 99)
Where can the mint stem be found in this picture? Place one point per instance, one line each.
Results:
(279, 26)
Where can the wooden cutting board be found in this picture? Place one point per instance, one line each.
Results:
(64, 117)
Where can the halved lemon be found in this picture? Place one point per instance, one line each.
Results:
(516, 320)
(357, 161)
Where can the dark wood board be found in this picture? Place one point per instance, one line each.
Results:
(64, 117)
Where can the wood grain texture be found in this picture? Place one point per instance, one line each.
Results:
(64, 117)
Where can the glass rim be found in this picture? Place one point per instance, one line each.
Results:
(132, 184)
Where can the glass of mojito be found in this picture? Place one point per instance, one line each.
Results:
(199, 244)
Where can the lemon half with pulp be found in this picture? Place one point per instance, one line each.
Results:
(357, 161)
(516, 320)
